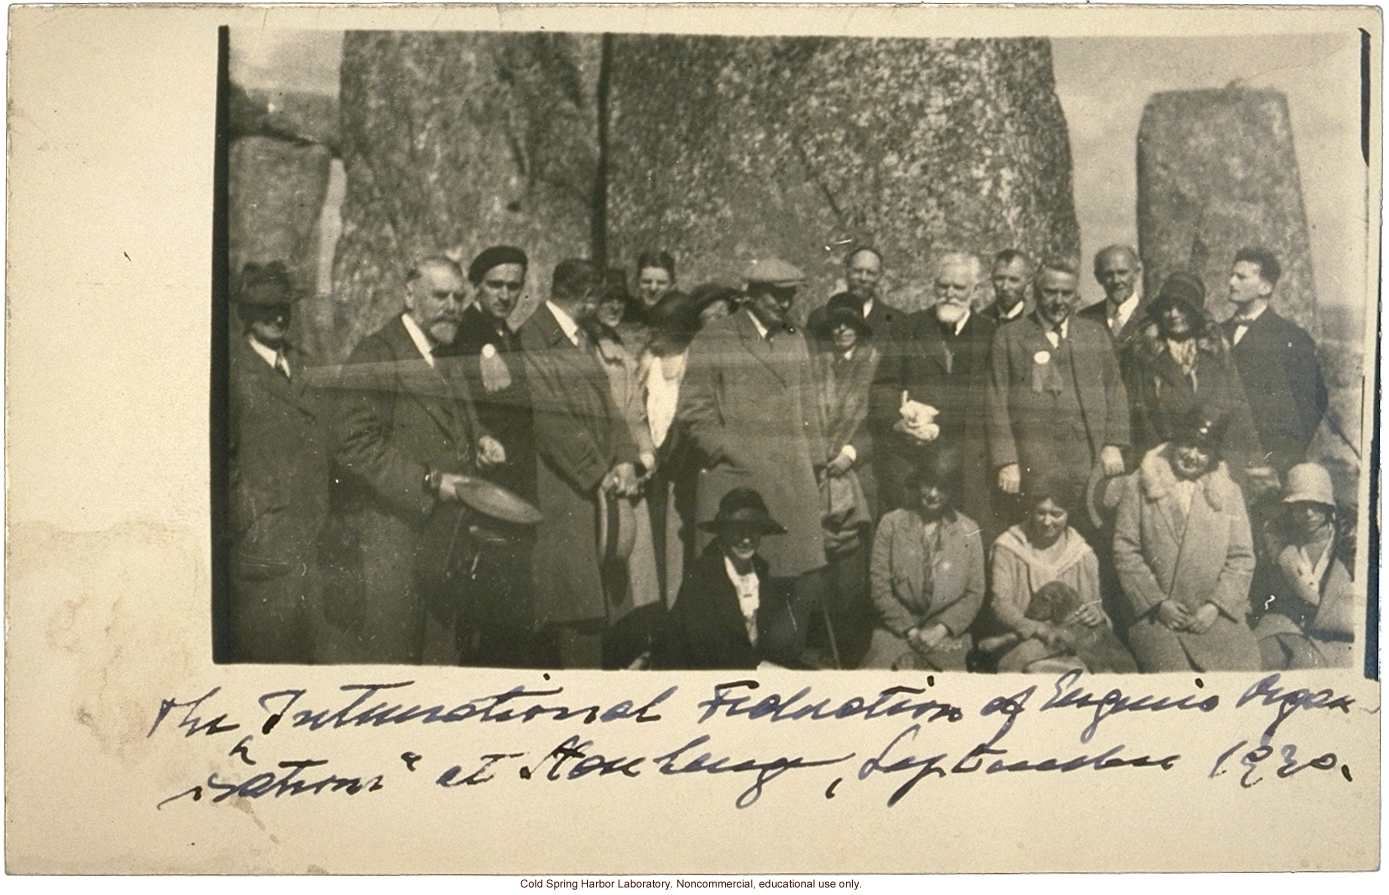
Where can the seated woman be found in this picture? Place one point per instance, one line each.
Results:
(1046, 561)
(1184, 555)
(727, 615)
(1303, 587)
(926, 575)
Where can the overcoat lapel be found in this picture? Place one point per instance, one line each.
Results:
(770, 352)
(413, 368)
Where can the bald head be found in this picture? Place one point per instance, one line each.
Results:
(1117, 270)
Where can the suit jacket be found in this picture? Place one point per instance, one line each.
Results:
(1277, 363)
(398, 419)
(506, 413)
(579, 436)
(749, 406)
(898, 574)
(1025, 416)
(1162, 552)
(278, 462)
(994, 314)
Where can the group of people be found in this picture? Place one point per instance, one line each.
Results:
(643, 477)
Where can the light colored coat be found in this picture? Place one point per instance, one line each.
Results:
(749, 405)
(1206, 555)
(898, 574)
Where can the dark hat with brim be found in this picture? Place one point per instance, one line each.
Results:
(265, 286)
(1179, 288)
(1202, 427)
(844, 315)
(743, 509)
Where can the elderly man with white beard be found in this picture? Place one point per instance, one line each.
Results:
(944, 365)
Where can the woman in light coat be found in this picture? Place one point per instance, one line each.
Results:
(1185, 556)
(927, 575)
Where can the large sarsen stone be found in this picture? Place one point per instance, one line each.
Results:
(454, 141)
(1216, 173)
(725, 149)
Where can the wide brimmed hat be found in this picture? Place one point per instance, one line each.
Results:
(743, 508)
(265, 286)
(1183, 287)
(1102, 494)
(775, 272)
(1310, 483)
(840, 314)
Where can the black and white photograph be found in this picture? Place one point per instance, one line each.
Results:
(694, 446)
(664, 351)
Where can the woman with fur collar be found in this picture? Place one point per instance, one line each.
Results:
(1184, 555)
(1180, 360)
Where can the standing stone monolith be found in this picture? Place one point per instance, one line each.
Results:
(1216, 173)
(726, 149)
(454, 141)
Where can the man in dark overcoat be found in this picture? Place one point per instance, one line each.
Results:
(487, 353)
(584, 456)
(279, 479)
(945, 365)
(1277, 362)
(1056, 403)
(749, 405)
(406, 437)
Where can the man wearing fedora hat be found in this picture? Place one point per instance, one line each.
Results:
(278, 464)
(726, 616)
(1185, 556)
(748, 403)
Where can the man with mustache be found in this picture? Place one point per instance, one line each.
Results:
(406, 435)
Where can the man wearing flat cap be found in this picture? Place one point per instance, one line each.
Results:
(749, 405)
(278, 478)
(407, 438)
(487, 354)
(1185, 556)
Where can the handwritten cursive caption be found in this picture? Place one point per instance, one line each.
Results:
(912, 736)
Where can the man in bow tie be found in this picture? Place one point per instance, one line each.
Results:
(1056, 403)
(1277, 362)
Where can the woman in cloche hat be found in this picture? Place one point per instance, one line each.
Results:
(1303, 590)
(726, 615)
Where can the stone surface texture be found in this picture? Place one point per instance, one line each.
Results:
(1216, 173)
(453, 142)
(727, 149)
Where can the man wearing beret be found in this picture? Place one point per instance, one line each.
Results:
(487, 354)
(407, 435)
(749, 405)
(278, 479)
